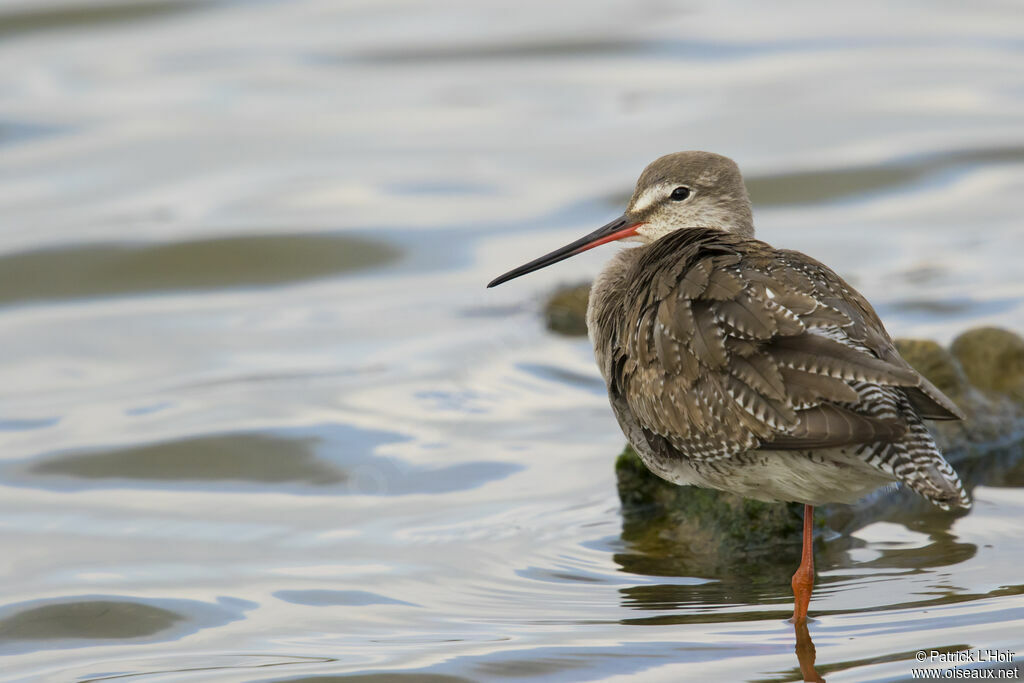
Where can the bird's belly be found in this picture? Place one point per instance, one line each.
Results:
(811, 477)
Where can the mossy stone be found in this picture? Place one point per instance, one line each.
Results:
(704, 529)
(993, 360)
(566, 310)
(935, 363)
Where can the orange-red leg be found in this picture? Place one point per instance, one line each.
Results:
(803, 580)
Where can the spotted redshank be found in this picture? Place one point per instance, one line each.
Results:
(734, 365)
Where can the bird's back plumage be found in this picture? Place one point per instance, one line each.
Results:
(729, 359)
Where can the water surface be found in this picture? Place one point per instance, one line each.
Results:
(261, 421)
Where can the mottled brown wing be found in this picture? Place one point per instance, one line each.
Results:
(732, 345)
(866, 328)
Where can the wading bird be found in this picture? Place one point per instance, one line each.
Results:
(734, 365)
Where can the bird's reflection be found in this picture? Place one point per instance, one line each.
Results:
(805, 653)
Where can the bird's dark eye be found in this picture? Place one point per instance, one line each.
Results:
(680, 193)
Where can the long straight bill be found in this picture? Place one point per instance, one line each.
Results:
(616, 230)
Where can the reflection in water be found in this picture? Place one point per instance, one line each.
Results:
(27, 18)
(523, 49)
(99, 619)
(805, 653)
(391, 677)
(19, 131)
(27, 424)
(327, 598)
(834, 184)
(91, 270)
(263, 458)
(76, 621)
(339, 457)
(706, 607)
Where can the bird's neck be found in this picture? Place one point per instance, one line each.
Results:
(606, 305)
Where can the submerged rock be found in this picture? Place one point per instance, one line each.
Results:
(566, 310)
(683, 529)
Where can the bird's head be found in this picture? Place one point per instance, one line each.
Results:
(690, 190)
(676, 192)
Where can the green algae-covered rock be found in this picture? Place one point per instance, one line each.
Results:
(983, 372)
(937, 364)
(993, 360)
(702, 530)
(566, 310)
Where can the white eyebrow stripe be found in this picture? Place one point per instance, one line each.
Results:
(649, 196)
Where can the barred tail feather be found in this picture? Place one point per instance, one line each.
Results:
(914, 459)
(917, 462)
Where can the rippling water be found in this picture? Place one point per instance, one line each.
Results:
(261, 421)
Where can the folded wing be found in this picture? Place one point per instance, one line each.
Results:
(732, 345)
